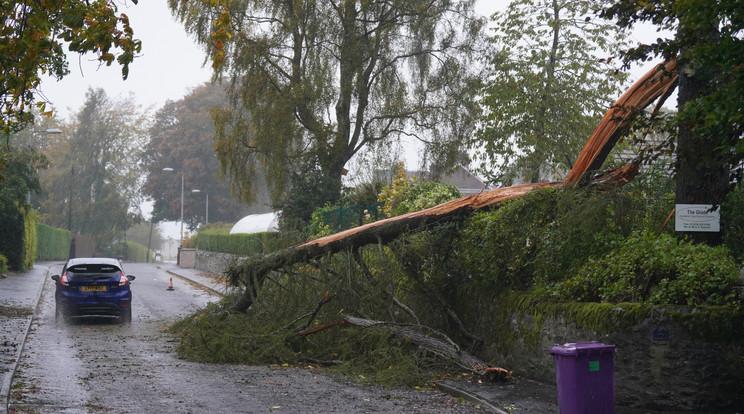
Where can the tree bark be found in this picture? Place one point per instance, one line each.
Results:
(702, 171)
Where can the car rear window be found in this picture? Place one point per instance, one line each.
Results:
(92, 271)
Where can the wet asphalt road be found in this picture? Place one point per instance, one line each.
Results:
(97, 366)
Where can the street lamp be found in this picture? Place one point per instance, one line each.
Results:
(206, 214)
(169, 169)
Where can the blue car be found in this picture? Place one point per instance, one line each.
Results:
(92, 287)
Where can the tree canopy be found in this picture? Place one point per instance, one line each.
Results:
(318, 81)
(33, 39)
(181, 137)
(93, 183)
(550, 79)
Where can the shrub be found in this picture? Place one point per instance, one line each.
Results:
(659, 269)
(545, 236)
(405, 195)
(218, 240)
(732, 219)
(424, 194)
(3, 264)
(30, 220)
(52, 243)
(12, 230)
(137, 252)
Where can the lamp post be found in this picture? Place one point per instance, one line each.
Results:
(169, 169)
(206, 213)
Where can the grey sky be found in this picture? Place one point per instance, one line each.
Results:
(170, 63)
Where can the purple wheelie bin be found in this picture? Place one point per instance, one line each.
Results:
(585, 375)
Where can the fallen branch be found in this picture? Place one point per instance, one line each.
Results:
(446, 348)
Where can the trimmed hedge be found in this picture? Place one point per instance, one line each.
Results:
(30, 220)
(137, 252)
(238, 244)
(52, 243)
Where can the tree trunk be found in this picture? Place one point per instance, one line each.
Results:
(537, 159)
(702, 170)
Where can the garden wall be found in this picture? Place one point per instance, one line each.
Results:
(214, 262)
(666, 357)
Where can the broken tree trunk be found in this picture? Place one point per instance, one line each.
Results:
(444, 348)
(656, 84)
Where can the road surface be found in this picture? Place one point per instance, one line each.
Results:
(100, 366)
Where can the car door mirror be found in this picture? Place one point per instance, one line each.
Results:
(131, 277)
(55, 278)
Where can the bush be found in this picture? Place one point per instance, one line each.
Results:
(218, 240)
(658, 269)
(732, 219)
(3, 264)
(12, 230)
(137, 252)
(30, 220)
(545, 236)
(404, 195)
(52, 243)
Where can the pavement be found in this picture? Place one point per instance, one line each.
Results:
(19, 295)
(216, 283)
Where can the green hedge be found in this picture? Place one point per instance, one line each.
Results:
(3, 264)
(137, 252)
(239, 244)
(30, 220)
(52, 243)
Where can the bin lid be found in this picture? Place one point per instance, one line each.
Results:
(575, 348)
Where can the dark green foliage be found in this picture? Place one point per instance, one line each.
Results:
(52, 243)
(659, 269)
(30, 220)
(309, 188)
(546, 235)
(136, 252)
(267, 333)
(18, 179)
(216, 240)
(11, 227)
(732, 220)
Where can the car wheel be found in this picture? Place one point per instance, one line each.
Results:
(126, 316)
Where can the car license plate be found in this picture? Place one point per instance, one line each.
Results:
(93, 288)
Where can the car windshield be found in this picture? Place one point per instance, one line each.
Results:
(92, 271)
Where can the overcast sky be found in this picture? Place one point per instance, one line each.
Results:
(169, 66)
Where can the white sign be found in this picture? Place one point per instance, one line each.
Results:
(697, 217)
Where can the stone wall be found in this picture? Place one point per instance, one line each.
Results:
(214, 262)
(661, 362)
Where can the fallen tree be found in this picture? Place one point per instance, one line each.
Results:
(655, 85)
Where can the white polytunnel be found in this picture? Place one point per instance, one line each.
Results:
(257, 223)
